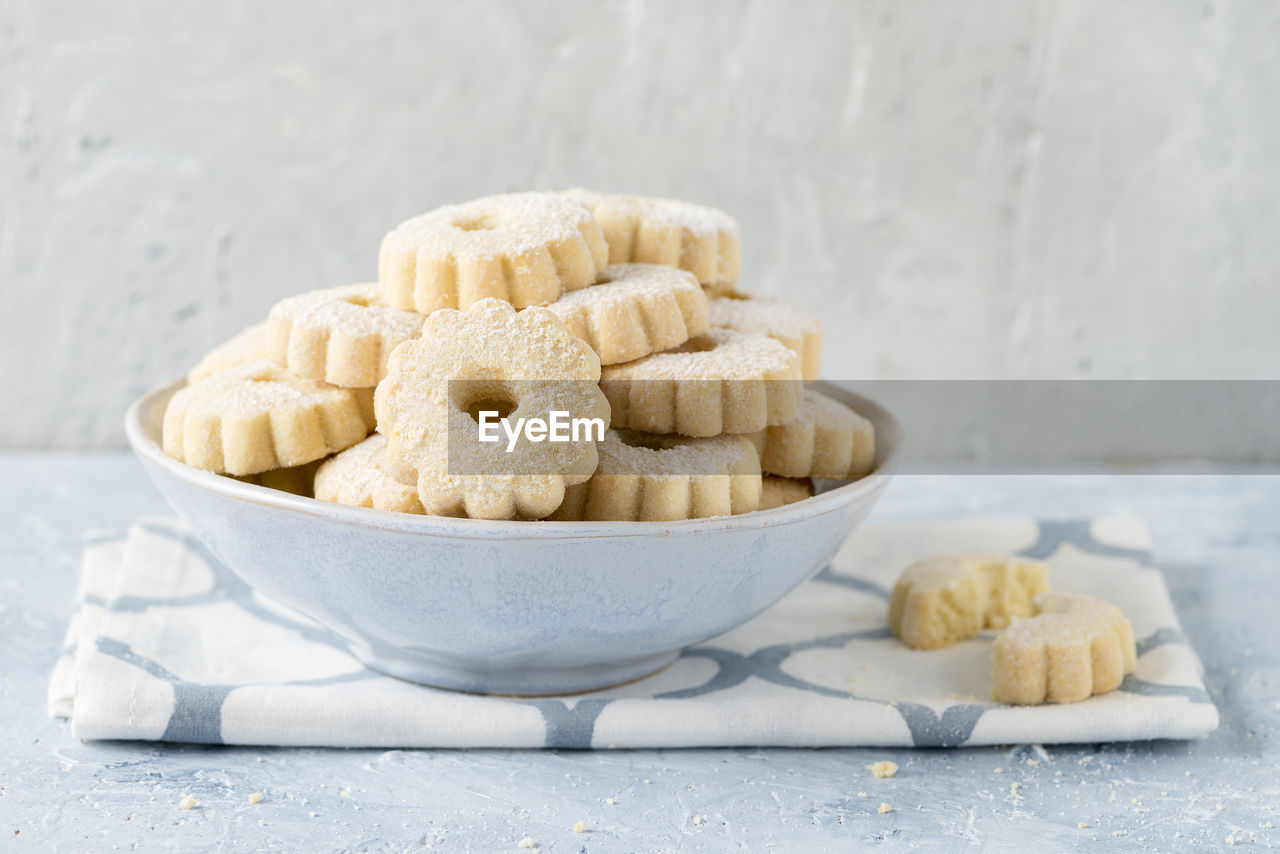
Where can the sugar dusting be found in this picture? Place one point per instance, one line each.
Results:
(1064, 618)
(356, 477)
(717, 354)
(352, 310)
(696, 219)
(622, 284)
(255, 388)
(763, 315)
(494, 226)
(528, 357)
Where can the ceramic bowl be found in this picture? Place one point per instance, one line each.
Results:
(511, 607)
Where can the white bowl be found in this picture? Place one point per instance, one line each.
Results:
(511, 607)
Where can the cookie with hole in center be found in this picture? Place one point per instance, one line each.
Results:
(522, 248)
(340, 336)
(633, 310)
(778, 319)
(722, 381)
(491, 371)
(643, 477)
(644, 230)
(256, 417)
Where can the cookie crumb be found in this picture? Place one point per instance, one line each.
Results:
(697, 819)
(344, 793)
(1231, 839)
(527, 842)
(997, 770)
(884, 768)
(884, 808)
(255, 798)
(187, 803)
(1082, 824)
(580, 827)
(862, 794)
(608, 800)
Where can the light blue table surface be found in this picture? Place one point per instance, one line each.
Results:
(1217, 536)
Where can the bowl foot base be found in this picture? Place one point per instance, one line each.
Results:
(523, 681)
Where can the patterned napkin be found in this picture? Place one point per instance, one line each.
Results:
(168, 645)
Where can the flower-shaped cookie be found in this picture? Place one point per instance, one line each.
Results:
(524, 248)
(765, 315)
(644, 230)
(647, 478)
(255, 417)
(471, 372)
(634, 310)
(338, 335)
(719, 382)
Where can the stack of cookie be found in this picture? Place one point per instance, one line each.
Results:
(613, 310)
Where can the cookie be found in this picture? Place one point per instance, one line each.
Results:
(247, 346)
(722, 381)
(778, 491)
(356, 477)
(340, 336)
(524, 248)
(634, 310)
(765, 315)
(1071, 648)
(646, 478)
(948, 598)
(523, 365)
(825, 439)
(255, 417)
(691, 237)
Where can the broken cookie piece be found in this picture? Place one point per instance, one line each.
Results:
(948, 598)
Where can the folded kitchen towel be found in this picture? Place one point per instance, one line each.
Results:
(168, 645)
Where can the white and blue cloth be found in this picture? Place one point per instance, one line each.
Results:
(166, 644)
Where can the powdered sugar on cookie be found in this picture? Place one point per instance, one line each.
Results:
(764, 315)
(639, 229)
(341, 336)
(634, 310)
(524, 248)
(256, 417)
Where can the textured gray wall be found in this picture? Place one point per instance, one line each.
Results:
(964, 189)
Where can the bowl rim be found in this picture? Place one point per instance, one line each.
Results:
(889, 453)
